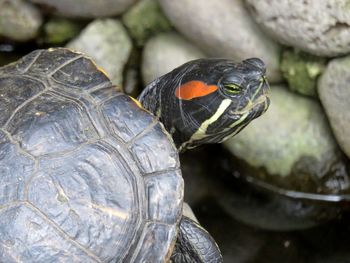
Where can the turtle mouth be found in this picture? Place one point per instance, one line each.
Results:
(260, 105)
(259, 108)
(243, 118)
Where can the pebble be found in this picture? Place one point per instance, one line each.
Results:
(224, 29)
(334, 93)
(165, 52)
(19, 20)
(293, 132)
(86, 8)
(318, 27)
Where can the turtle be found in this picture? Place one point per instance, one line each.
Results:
(90, 174)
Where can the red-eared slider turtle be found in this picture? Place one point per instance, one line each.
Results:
(88, 175)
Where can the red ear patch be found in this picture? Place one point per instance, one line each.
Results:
(194, 89)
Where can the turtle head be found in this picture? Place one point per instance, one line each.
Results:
(208, 100)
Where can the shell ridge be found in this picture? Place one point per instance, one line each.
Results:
(32, 62)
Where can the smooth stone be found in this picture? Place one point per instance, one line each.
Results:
(165, 52)
(86, 8)
(108, 43)
(301, 71)
(224, 29)
(318, 27)
(293, 133)
(145, 19)
(334, 93)
(19, 20)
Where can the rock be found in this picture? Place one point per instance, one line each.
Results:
(108, 43)
(334, 92)
(223, 29)
(287, 172)
(294, 144)
(165, 52)
(301, 71)
(19, 20)
(319, 27)
(144, 20)
(86, 8)
(60, 30)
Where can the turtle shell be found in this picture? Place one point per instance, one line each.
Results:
(86, 175)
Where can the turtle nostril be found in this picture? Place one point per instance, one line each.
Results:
(257, 63)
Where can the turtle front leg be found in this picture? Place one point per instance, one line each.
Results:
(194, 244)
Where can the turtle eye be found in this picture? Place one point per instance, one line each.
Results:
(232, 88)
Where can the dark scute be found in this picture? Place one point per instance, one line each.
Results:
(21, 65)
(13, 92)
(104, 93)
(160, 190)
(156, 238)
(87, 200)
(80, 74)
(31, 246)
(15, 170)
(154, 151)
(124, 118)
(49, 60)
(93, 196)
(50, 124)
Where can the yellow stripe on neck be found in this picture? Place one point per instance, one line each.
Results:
(202, 130)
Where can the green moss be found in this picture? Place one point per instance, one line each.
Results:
(345, 5)
(60, 30)
(301, 71)
(144, 20)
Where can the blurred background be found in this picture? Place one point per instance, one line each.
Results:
(278, 191)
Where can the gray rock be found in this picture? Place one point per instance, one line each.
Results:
(334, 92)
(19, 20)
(294, 128)
(86, 8)
(165, 52)
(108, 43)
(319, 27)
(223, 29)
